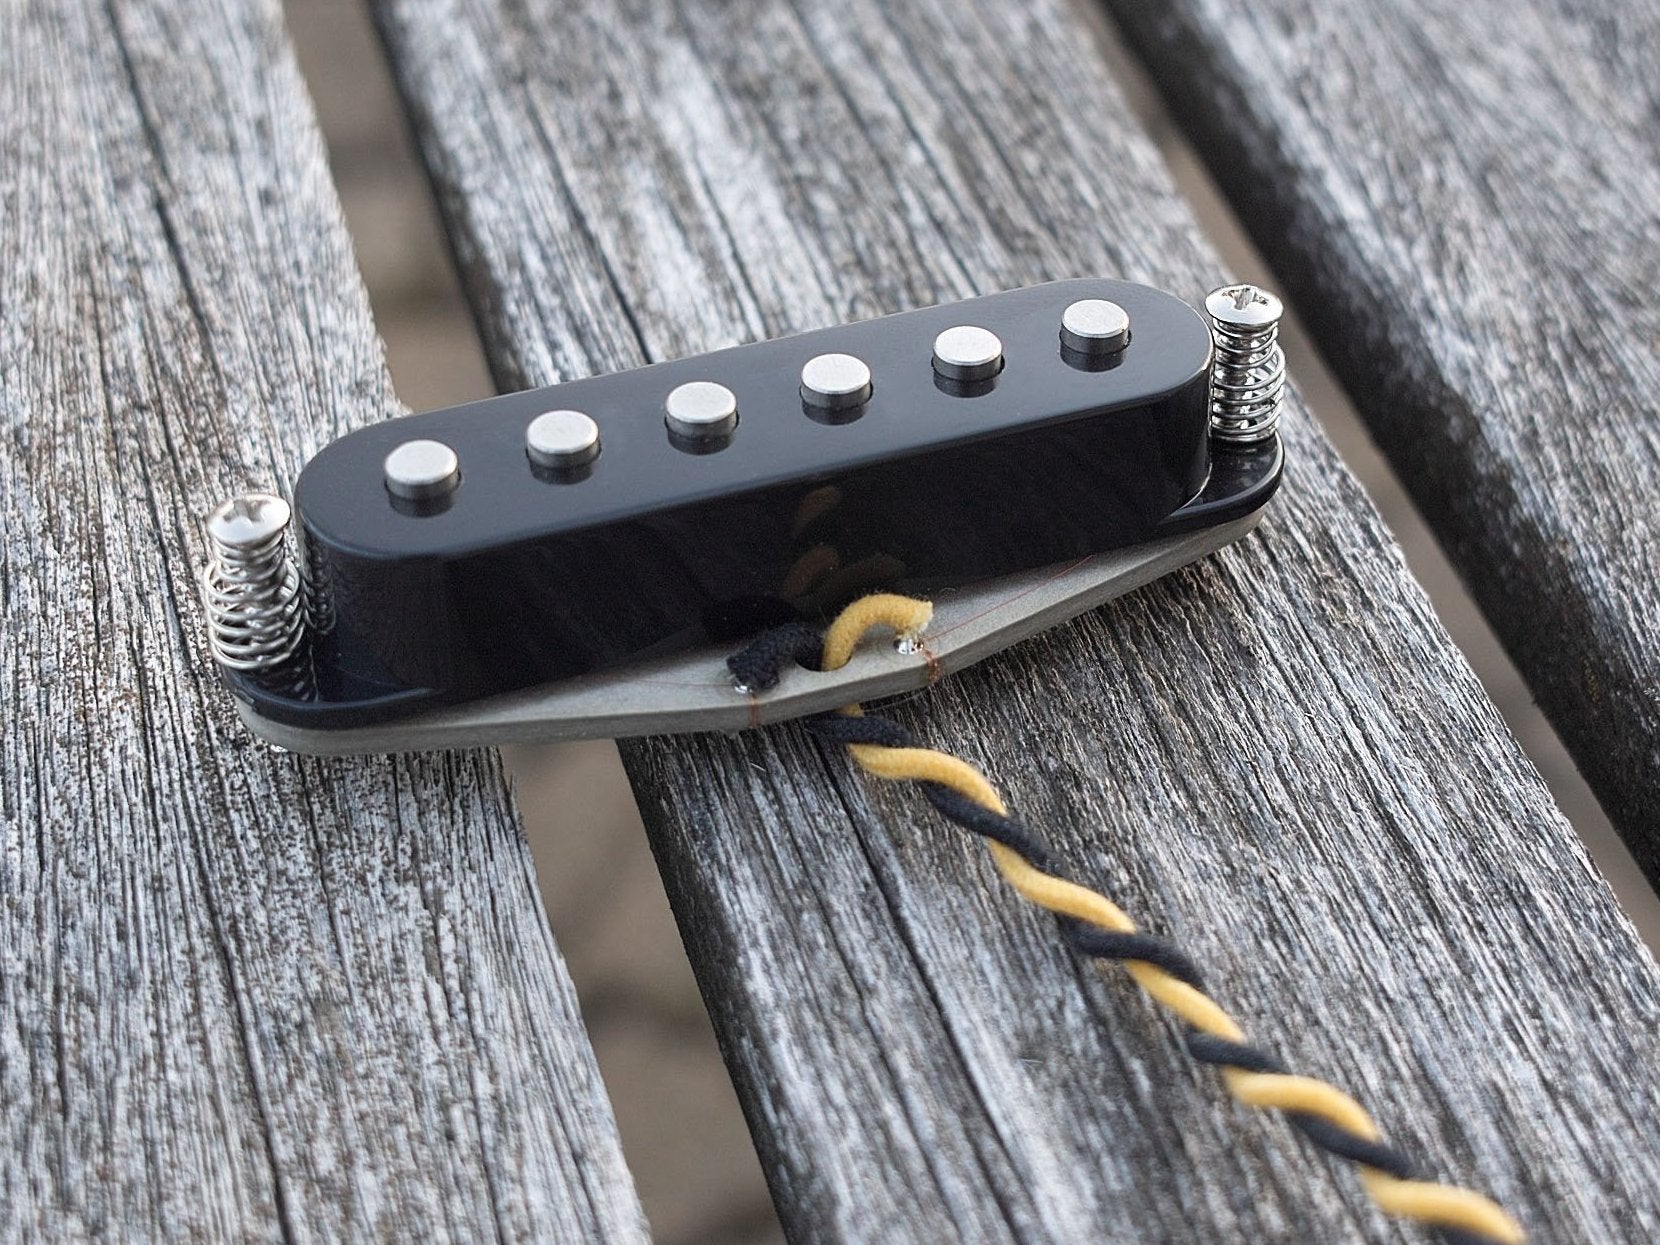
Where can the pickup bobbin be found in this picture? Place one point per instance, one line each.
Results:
(577, 560)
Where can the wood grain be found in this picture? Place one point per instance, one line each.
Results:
(242, 996)
(1277, 757)
(1466, 199)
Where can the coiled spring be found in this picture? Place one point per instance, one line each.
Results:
(251, 585)
(1248, 375)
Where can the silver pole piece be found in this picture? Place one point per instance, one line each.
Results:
(562, 439)
(701, 410)
(422, 471)
(835, 382)
(1094, 326)
(968, 353)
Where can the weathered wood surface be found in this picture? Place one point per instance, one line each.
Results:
(1278, 757)
(242, 996)
(1466, 201)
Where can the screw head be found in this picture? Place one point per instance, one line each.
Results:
(422, 470)
(1244, 306)
(248, 520)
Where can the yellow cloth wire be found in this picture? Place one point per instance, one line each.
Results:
(1435, 1204)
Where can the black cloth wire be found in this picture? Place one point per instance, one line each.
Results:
(758, 665)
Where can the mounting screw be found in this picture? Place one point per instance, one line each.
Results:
(251, 585)
(1247, 376)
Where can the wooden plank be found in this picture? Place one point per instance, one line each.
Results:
(1278, 756)
(242, 996)
(1466, 200)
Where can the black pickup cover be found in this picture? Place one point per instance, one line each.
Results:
(521, 577)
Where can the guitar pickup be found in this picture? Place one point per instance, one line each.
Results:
(578, 559)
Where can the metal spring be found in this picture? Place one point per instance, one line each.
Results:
(316, 588)
(251, 585)
(1248, 376)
